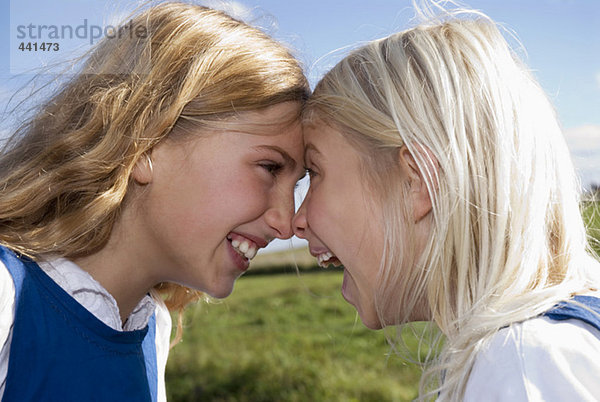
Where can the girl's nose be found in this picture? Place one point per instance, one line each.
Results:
(279, 216)
(299, 222)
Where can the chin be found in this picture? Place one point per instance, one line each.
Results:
(371, 322)
(374, 325)
(220, 292)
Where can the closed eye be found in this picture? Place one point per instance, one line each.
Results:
(311, 173)
(272, 167)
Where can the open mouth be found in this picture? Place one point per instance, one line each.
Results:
(327, 258)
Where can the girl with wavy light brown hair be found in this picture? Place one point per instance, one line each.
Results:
(156, 173)
(441, 181)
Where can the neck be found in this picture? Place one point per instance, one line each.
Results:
(119, 267)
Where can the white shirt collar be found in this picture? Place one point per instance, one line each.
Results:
(95, 298)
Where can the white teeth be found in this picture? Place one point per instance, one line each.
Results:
(323, 258)
(245, 249)
(251, 253)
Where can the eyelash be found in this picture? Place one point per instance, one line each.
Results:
(311, 173)
(272, 167)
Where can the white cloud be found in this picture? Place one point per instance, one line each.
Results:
(584, 144)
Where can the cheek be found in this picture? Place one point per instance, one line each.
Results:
(240, 194)
(335, 213)
(322, 215)
(215, 203)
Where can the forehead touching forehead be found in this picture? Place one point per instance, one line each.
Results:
(275, 127)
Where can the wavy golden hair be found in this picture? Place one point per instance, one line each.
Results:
(65, 173)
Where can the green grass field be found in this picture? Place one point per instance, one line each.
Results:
(591, 217)
(284, 337)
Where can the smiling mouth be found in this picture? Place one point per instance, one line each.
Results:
(327, 258)
(244, 247)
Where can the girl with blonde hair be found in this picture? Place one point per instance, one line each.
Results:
(441, 181)
(156, 173)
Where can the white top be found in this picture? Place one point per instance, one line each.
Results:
(91, 295)
(538, 360)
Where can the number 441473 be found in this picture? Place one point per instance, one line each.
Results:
(39, 47)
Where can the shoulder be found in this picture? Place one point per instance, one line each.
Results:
(539, 359)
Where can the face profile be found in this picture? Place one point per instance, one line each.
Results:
(211, 200)
(338, 219)
(342, 217)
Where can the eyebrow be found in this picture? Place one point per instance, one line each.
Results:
(308, 148)
(311, 147)
(287, 158)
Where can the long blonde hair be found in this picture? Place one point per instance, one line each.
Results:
(65, 173)
(507, 239)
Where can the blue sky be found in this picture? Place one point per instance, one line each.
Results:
(561, 38)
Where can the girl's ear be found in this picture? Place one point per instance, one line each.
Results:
(421, 199)
(142, 171)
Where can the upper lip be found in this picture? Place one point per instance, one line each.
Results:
(318, 251)
(259, 241)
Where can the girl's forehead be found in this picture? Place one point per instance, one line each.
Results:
(312, 123)
(320, 132)
(272, 120)
(323, 142)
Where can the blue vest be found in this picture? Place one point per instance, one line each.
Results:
(565, 311)
(62, 352)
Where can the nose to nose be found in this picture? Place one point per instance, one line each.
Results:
(299, 222)
(279, 216)
(281, 223)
